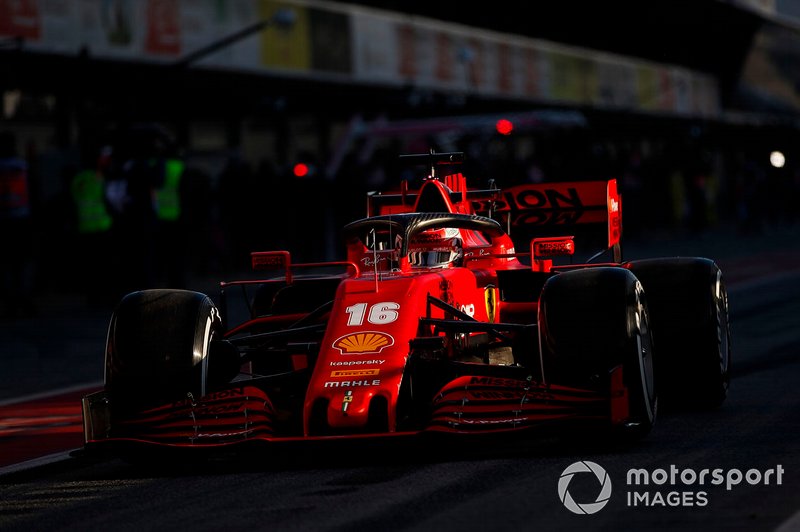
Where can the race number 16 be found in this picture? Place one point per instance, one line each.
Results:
(379, 313)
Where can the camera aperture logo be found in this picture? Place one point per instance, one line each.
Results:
(661, 487)
(603, 496)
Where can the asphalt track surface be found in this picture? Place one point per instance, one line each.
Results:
(746, 452)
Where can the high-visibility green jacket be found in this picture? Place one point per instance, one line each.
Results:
(88, 192)
(167, 198)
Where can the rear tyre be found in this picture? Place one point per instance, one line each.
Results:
(689, 306)
(159, 349)
(592, 321)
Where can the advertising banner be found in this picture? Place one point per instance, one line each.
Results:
(163, 23)
(20, 18)
(352, 44)
(286, 48)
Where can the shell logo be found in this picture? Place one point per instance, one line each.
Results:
(367, 342)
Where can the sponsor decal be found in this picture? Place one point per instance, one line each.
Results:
(555, 248)
(354, 372)
(534, 205)
(352, 384)
(495, 381)
(218, 409)
(521, 198)
(495, 389)
(265, 260)
(522, 395)
(376, 362)
(490, 298)
(468, 309)
(216, 396)
(347, 399)
(508, 421)
(449, 232)
(217, 435)
(362, 343)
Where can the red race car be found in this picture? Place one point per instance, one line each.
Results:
(436, 323)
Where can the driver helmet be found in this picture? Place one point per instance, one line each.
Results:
(435, 248)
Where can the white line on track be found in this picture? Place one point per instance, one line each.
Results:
(790, 525)
(50, 393)
(36, 462)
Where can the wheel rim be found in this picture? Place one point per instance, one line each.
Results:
(645, 354)
(201, 350)
(722, 324)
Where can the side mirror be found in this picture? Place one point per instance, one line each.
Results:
(544, 249)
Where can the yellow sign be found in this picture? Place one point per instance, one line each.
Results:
(286, 47)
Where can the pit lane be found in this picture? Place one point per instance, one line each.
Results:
(512, 486)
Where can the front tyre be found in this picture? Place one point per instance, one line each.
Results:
(592, 321)
(159, 348)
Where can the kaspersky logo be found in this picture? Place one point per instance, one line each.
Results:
(604, 487)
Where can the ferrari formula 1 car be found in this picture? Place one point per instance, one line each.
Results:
(436, 322)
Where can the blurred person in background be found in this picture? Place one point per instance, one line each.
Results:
(237, 197)
(135, 173)
(92, 223)
(171, 238)
(17, 230)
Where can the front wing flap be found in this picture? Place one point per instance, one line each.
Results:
(232, 415)
(479, 403)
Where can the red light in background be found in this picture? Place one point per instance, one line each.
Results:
(300, 170)
(504, 126)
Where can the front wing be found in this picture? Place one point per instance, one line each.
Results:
(468, 404)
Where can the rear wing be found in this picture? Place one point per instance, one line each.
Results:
(526, 211)
(557, 208)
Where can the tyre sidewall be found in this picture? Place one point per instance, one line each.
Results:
(158, 346)
(690, 317)
(592, 321)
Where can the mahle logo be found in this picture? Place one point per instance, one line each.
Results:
(584, 466)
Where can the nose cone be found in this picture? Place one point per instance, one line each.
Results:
(355, 401)
(349, 409)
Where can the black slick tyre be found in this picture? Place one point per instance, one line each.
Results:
(158, 348)
(592, 321)
(689, 308)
